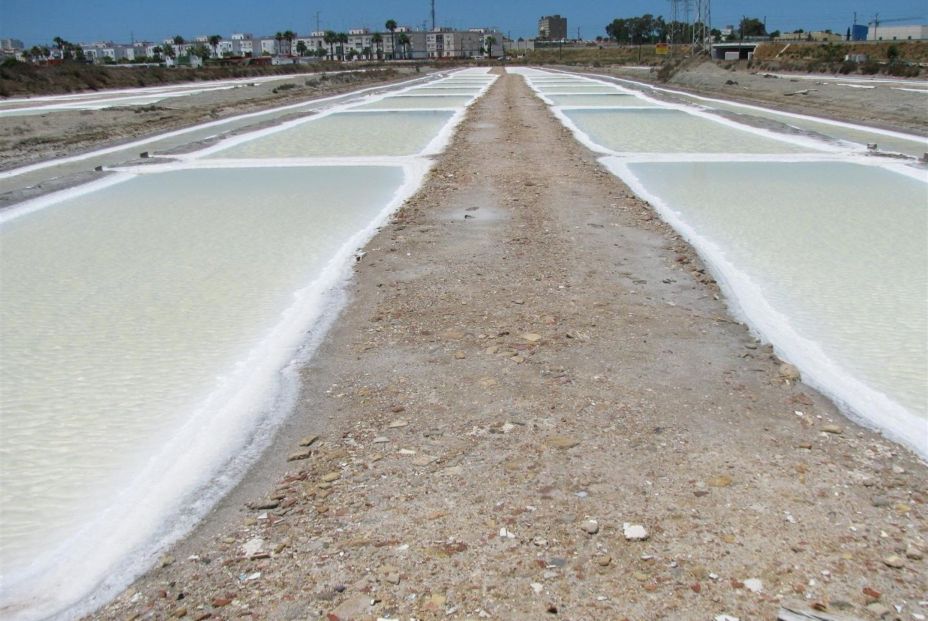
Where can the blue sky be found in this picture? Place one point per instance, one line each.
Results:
(38, 21)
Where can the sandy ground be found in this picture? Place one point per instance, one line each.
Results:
(536, 406)
(882, 106)
(27, 139)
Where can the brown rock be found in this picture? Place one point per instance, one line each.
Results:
(355, 607)
(789, 373)
(561, 442)
(309, 440)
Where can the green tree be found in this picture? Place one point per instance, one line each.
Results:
(289, 36)
(489, 42)
(892, 54)
(404, 42)
(377, 42)
(178, 40)
(200, 50)
(331, 38)
(343, 45)
(391, 26)
(214, 42)
(301, 48)
(752, 27)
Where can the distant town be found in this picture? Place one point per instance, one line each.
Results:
(396, 42)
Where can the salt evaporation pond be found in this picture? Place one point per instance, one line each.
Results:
(128, 308)
(886, 141)
(578, 89)
(445, 90)
(150, 321)
(836, 275)
(343, 134)
(604, 100)
(401, 102)
(915, 146)
(819, 248)
(661, 130)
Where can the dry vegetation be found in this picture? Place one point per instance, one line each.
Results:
(19, 79)
(899, 58)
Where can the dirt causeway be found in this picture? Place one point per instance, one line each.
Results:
(536, 406)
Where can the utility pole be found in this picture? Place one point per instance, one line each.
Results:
(317, 21)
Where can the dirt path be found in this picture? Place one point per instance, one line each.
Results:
(533, 367)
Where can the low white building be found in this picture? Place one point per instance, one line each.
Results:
(225, 48)
(879, 32)
(243, 47)
(266, 46)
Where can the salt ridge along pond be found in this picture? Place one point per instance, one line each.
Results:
(152, 323)
(818, 244)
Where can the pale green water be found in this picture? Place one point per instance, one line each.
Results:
(120, 313)
(913, 147)
(347, 134)
(593, 101)
(840, 249)
(412, 101)
(671, 131)
(579, 88)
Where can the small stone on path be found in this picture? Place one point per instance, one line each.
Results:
(561, 442)
(754, 585)
(894, 561)
(634, 532)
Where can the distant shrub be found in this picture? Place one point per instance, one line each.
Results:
(848, 66)
(901, 70)
(870, 68)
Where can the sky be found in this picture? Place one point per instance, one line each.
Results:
(38, 21)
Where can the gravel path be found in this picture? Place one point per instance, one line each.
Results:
(536, 406)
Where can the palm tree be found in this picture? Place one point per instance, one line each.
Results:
(301, 47)
(377, 42)
(214, 41)
(178, 40)
(391, 26)
(404, 43)
(278, 36)
(289, 35)
(330, 37)
(343, 40)
(490, 42)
